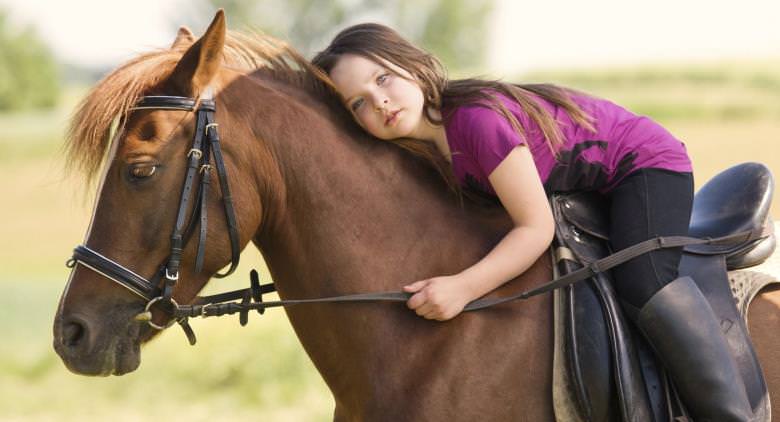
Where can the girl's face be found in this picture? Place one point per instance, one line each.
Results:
(385, 104)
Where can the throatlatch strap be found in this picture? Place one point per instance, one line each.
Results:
(227, 199)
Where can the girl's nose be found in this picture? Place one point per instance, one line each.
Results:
(381, 105)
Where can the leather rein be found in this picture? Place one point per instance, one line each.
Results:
(159, 289)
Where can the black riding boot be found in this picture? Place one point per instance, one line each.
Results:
(683, 330)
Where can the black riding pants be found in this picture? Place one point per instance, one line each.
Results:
(646, 204)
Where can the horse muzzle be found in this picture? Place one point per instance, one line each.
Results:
(89, 348)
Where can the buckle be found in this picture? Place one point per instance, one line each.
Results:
(172, 277)
(203, 309)
(196, 152)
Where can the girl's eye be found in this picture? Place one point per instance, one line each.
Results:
(356, 104)
(142, 171)
(381, 79)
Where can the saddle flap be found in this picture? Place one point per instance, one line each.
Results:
(585, 211)
(600, 353)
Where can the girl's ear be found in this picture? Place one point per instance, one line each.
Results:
(201, 62)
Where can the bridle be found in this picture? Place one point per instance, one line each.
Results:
(192, 208)
(159, 289)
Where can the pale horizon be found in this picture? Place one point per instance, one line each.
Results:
(525, 35)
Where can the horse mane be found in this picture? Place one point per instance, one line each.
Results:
(90, 131)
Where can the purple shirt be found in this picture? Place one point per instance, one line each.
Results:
(480, 139)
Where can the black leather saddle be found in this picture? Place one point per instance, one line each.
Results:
(604, 370)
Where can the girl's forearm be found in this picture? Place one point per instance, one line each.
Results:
(512, 256)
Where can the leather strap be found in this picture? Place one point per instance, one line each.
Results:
(110, 269)
(205, 182)
(215, 305)
(194, 157)
(165, 102)
(227, 198)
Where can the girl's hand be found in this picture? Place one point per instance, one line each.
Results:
(439, 298)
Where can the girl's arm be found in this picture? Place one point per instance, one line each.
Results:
(517, 184)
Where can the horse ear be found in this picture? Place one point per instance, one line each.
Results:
(183, 37)
(202, 60)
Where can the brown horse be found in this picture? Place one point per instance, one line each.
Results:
(333, 212)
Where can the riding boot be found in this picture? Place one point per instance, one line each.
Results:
(683, 330)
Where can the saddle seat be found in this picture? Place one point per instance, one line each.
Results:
(735, 200)
(604, 370)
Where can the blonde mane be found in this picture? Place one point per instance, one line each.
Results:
(89, 134)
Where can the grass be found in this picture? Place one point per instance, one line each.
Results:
(258, 371)
(720, 92)
(725, 115)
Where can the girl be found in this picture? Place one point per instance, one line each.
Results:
(515, 142)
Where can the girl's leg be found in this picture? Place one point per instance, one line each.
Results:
(646, 204)
(670, 311)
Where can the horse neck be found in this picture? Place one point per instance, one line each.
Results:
(340, 205)
(350, 215)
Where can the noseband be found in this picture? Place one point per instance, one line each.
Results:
(192, 209)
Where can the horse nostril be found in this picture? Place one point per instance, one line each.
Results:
(72, 333)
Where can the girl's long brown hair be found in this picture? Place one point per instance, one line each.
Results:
(378, 42)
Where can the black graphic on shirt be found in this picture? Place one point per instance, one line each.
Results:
(573, 172)
(477, 191)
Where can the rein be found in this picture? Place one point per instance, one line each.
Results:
(251, 298)
(160, 288)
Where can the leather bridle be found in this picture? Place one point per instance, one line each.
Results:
(159, 289)
(192, 208)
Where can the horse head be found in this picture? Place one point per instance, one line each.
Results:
(136, 218)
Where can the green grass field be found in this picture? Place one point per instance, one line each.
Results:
(726, 114)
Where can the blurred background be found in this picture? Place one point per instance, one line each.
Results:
(709, 71)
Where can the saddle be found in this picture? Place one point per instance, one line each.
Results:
(604, 370)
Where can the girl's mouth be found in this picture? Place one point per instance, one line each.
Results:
(392, 118)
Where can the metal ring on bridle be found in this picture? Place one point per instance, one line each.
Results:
(149, 307)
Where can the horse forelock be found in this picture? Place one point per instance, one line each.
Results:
(89, 134)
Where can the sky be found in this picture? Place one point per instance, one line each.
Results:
(554, 33)
(526, 35)
(98, 33)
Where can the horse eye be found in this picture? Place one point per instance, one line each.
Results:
(142, 171)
